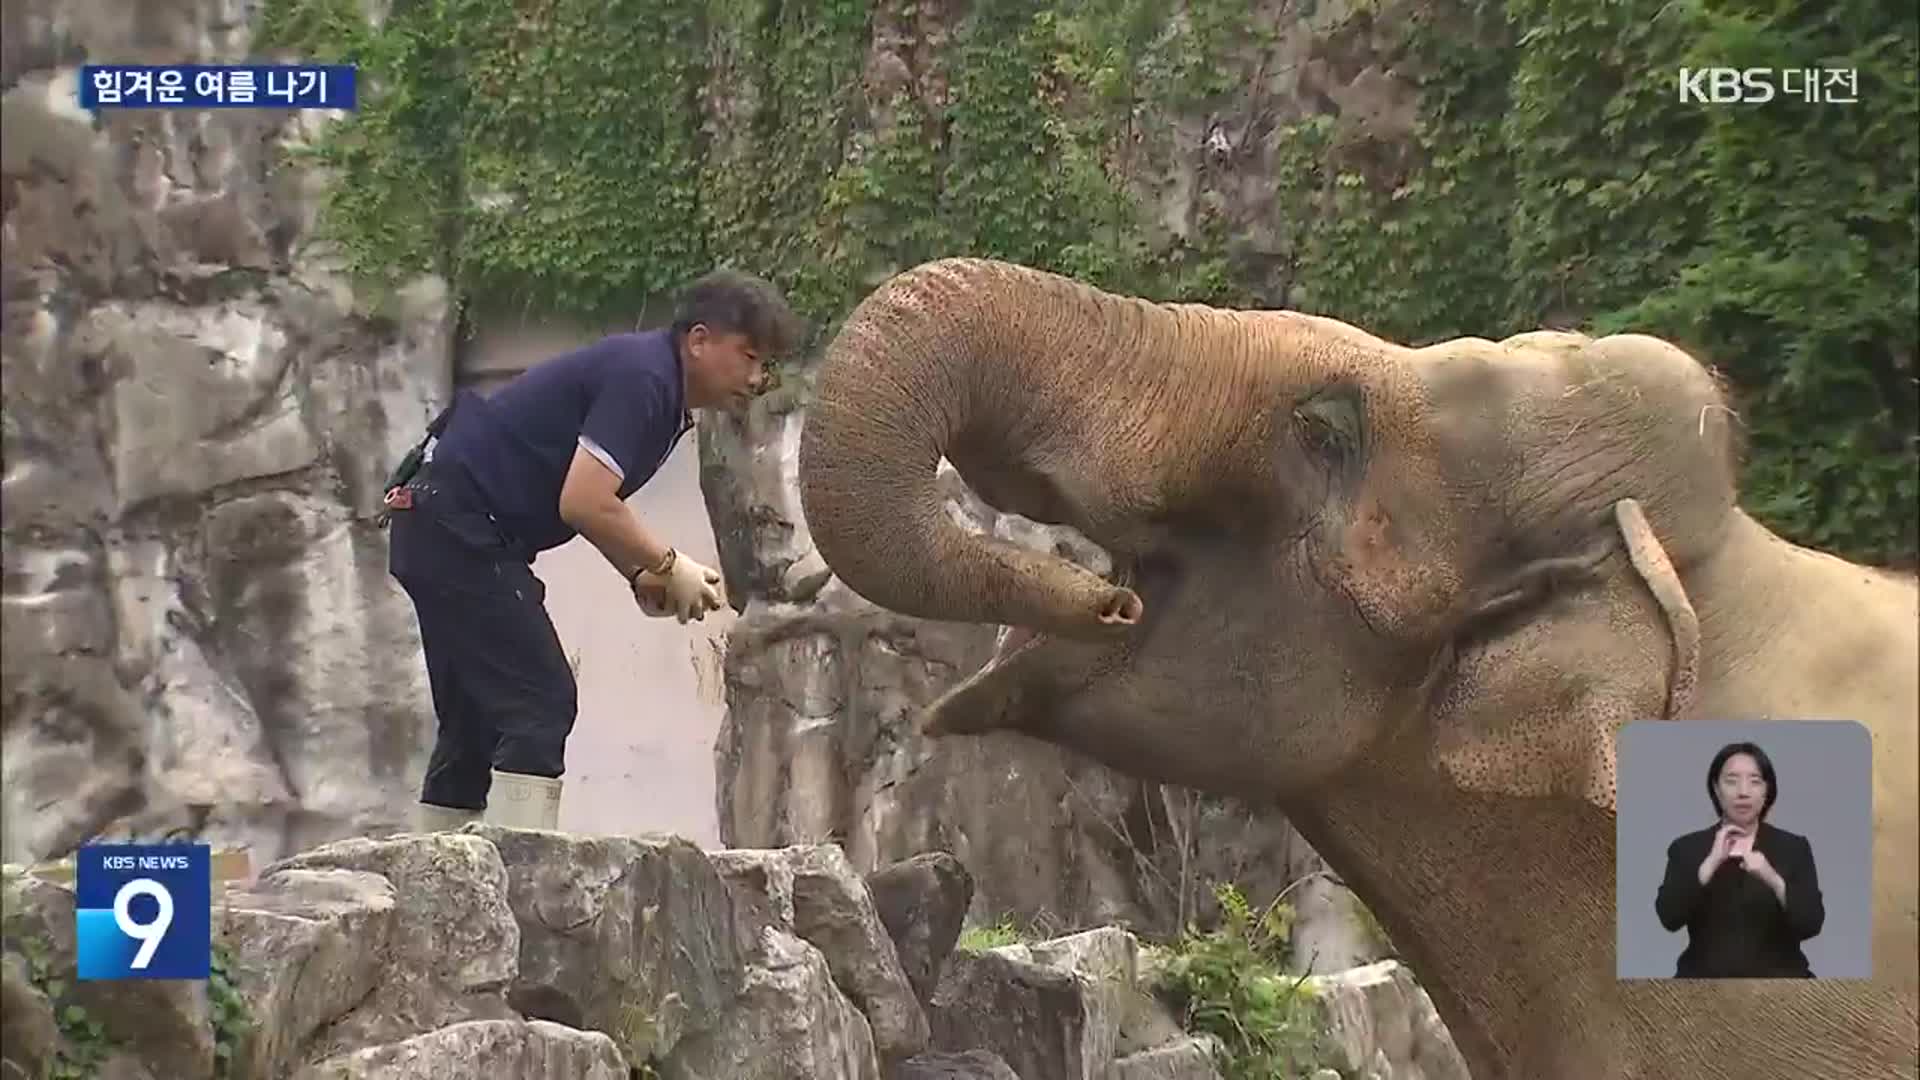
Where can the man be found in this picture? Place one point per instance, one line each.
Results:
(553, 454)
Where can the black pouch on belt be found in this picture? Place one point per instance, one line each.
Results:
(397, 496)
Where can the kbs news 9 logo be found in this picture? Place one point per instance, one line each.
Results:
(143, 911)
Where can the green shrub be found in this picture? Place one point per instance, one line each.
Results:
(976, 939)
(1231, 982)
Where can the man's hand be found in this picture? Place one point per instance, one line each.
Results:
(687, 589)
(651, 594)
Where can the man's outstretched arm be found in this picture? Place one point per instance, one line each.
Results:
(590, 503)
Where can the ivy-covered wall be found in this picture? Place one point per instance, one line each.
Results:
(575, 157)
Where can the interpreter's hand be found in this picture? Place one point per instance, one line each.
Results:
(1757, 865)
(689, 589)
(1723, 842)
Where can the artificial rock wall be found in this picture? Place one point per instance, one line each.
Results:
(199, 629)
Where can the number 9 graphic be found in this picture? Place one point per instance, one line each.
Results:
(150, 934)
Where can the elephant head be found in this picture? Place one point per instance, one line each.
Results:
(1321, 538)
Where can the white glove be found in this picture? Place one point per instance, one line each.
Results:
(685, 588)
(651, 594)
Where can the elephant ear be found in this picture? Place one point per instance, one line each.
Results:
(1565, 652)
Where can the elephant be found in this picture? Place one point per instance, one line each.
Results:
(1407, 596)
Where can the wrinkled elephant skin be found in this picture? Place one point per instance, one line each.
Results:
(1408, 594)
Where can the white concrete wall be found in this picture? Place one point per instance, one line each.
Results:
(641, 755)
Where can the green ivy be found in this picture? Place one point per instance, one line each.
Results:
(578, 158)
(1803, 282)
(84, 1043)
(231, 1017)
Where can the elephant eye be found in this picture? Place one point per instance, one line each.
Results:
(1330, 421)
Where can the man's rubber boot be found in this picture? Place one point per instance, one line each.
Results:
(519, 801)
(430, 818)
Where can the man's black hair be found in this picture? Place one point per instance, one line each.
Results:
(730, 301)
(1759, 757)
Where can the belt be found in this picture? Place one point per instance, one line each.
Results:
(456, 496)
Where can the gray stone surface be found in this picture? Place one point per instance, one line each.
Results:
(1077, 1007)
(1041, 1020)
(499, 952)
(812, 892)
(308, 946)
(1109, 959)
(1380, 1024)
(791, 1023)
(200, 632)
(965, 1065)
(451, 947)
(29, 1036)
(632, 936)
(161, 1023)
(524, 1050)
(923, 903)
(1184, 1059)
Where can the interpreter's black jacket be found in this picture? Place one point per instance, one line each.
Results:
(1736, 927)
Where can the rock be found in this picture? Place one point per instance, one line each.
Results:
(1383, 1069)
(163, 1023)
(524, 1050)
(790, 1023)
(833, 911)
(1041, 1020)
(632, 936)
(1184, 1059)
(200, 631)
(749, 466)
(1378, 1020)
(1434, 1050)
(923, 904)
(1108, 958)
(760, 885)
(452, 944)
(29, 1038)
(967, 1065)
(830, 909)
(452, 954)
(307, 947)
(1328, 932)
(1074, 1007)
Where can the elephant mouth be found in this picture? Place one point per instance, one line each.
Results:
(1013, 641)
(988, 698)
(1120, 611)
(985, 700)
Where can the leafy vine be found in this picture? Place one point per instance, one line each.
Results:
(577, 158)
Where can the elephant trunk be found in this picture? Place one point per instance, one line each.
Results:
(1016, 377)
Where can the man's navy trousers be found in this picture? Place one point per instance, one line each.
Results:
(502, 688)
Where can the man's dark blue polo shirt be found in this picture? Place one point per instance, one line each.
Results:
(621, 398)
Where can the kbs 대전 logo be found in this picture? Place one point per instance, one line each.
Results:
(1758, 86)
(143, 911)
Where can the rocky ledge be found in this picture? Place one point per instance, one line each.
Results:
(548, 956)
